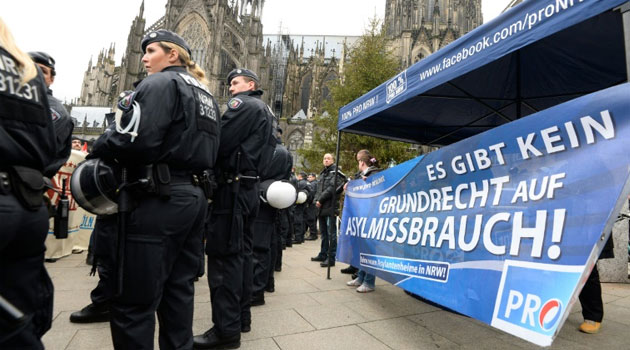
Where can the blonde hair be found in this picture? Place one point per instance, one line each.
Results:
(26, 66)
(186, 61)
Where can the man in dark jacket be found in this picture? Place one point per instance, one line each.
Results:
(328, 209)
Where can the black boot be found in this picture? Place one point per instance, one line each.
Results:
(212, 340)
(311, 238)
(90, 314)
(327, 262)
(258, 299)
(319, 257)
(349, 270)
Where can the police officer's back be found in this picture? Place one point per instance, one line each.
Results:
(247, 145)
(168, 135)
(28, 152)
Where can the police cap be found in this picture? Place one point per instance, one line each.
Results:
(302, 174)
(164, 35)
(43, 58)
(241, 72)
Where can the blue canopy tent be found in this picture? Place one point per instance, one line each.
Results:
(534, 56)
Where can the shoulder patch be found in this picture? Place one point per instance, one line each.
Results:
(235, 103)
(126, 100)
(55, 115)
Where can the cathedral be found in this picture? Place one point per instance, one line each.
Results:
(293, 69)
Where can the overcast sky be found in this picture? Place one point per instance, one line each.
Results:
(72, 31)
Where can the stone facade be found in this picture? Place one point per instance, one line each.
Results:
(294, 70)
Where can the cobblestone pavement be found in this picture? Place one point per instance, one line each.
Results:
(308, 311)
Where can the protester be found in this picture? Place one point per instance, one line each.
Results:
(328, 210)
(77, 144)
(247, 146)
(177, 139)
(28, 151)
(591, 294)
(368, 165)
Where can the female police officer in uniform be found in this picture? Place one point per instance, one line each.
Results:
(178, 136)
(27, 151)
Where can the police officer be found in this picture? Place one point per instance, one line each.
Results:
(61, 118)
(300, 208)
(167, 135)
(264, 228)
(28, 151)
(311, 210)
(247, 146)
(104, 242)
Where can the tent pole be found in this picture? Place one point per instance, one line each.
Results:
(519, 112)
(625, 12)
(334, 202)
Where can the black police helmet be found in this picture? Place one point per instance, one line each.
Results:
(241, 72)
(164, 35)
(43, 58)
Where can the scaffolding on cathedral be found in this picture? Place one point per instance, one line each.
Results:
(279, 66)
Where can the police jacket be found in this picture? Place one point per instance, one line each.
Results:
(280, 166)
(325, 190)
(27, 135)
(179, 124)
(246, 128)
(63, 129)
(305, 186)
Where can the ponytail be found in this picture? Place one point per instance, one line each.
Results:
(186, 61)
(365, 156)
(26, 66)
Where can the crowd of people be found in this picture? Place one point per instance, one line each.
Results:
(208, 175)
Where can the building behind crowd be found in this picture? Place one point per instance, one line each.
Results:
(293, 69)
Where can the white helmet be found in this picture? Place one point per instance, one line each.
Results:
(301, 197)
(279, 194)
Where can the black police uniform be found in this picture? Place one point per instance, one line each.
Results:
(104, 242)
(278, 169)
(311, 214)
(60, 116)
(179, 128)
(300, 211)
(27, 150)
(247, 145)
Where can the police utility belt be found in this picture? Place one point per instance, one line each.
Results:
(247, 177)
(157, 179)
(25, 183)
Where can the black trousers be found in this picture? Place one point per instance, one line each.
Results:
(328, 227)
(276, 250)
(229, 249)
(104, 240)
(591, 298)
(24, 281)
(162, 249)
(298, 224)
(310, 215)
(263, 235)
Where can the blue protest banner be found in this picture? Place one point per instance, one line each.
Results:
(504, 226)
